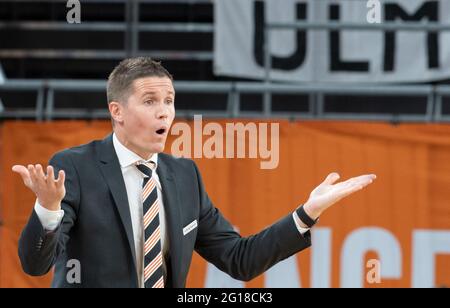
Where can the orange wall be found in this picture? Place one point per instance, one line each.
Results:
(412, 192)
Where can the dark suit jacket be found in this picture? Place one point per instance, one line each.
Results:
(96, 229)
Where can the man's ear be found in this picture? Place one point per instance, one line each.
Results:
(115, 109)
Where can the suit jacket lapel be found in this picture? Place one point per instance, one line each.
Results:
(110, 167)
(173, 217)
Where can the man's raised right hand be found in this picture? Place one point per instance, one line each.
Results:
(48, 190)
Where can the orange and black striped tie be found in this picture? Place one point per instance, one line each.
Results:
(153, 271)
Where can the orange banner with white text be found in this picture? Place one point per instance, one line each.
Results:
(395, 233)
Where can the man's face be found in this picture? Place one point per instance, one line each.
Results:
(146, 118)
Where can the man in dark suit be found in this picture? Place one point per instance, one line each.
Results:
(130, 216)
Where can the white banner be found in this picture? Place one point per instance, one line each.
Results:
(363, 56)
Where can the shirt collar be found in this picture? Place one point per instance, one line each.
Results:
(128, 158)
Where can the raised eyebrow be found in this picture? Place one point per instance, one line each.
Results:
(148, 93)
(154, 93)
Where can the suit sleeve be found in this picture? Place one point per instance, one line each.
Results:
(244, 258)
(38, 248)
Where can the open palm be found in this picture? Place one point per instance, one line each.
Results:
(330, 192)
(48, 190)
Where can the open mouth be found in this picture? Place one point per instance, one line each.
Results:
(161, 131)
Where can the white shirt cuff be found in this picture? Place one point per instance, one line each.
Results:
(50, 220)
(297, 223)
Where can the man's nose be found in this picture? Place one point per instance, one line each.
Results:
(163, 112)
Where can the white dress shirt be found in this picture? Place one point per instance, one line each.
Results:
(133, 179)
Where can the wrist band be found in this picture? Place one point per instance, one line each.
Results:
(305, 218)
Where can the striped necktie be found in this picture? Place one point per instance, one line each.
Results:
(153, 271)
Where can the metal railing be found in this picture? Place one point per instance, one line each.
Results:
(47, 108)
